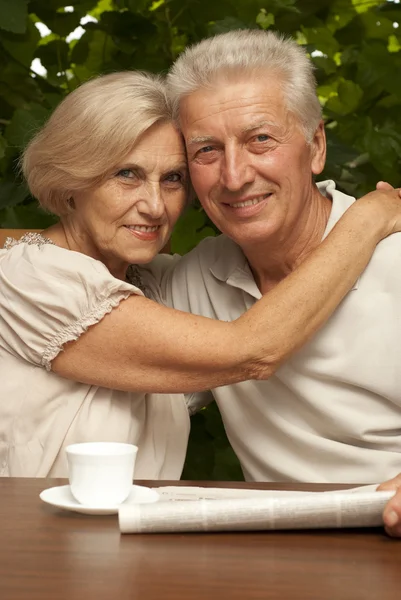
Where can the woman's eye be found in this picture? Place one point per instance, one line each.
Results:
(126, 173)
(174, 177)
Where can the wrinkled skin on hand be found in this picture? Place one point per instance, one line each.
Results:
(392, 511)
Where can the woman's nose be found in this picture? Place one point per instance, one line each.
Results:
(152, 203)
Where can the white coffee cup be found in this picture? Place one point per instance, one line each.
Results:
(101, 473)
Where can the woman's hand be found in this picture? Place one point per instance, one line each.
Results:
(381, 209)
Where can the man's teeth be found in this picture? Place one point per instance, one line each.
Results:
(248, 202)
(143, 228)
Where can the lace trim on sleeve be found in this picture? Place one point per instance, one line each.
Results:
(31, 238)
(74, 331)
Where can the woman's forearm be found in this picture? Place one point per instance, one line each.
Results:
(307, 297)
(143, 346)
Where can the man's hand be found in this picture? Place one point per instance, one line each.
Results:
(392, 511)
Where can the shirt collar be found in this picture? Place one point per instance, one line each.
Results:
(232, 267)
(340, 203)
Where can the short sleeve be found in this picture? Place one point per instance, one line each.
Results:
(49, 296)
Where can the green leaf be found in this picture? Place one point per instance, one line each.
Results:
(209, 454)
(124, 24)
(156, 4)
(321, 39)
(278, 6)
(377, 66)
(325, 64)
(352, 130)
(187, 14)
(101, 7)
(12, 194)
(24, 124)
(47, 39)
(22, 47)
(55, 53)
(341, 13)
(81, 6)
(190, 229)
(13, 15)
(389, 101)
(393, 44)
(377, 26)
(348, 97)
(100, 54)
(26, 217)
(3, 146)
(384, 146)
(226, 465)
(17, 87)
(200, 453)
(265, 19)
(226, 24)
(137, 6)
(339, 153)
(62, 23)
(80, 51)
(362, 6)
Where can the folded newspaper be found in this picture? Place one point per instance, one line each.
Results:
(186, 509)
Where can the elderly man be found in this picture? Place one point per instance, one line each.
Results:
(246, 104)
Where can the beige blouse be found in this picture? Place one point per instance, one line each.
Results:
(49, 296)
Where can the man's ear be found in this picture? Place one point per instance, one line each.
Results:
(318, 154)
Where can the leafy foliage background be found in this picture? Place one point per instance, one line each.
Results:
(354, 44)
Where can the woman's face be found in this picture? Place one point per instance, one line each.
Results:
(129, 218)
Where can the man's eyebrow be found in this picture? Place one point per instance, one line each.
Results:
(200, 139)
(257, 125)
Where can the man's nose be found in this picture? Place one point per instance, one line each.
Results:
(152, 202)
(237, 169)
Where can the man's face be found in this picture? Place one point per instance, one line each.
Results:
(250, 164)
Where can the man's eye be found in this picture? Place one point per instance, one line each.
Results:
(126, 173)
(262, 137)
(206, 149)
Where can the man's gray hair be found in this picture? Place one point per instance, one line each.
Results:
(248, 52)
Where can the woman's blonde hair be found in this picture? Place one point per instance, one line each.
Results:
(266, 55)
(90, 133)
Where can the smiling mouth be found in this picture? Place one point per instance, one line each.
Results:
(143, 228)
(250, 202)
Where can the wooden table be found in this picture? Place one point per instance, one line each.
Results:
(49, 554)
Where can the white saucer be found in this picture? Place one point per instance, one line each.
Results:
(62, 497)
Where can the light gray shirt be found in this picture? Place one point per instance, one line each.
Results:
(332, 413)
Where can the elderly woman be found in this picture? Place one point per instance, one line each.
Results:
(86, 351)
